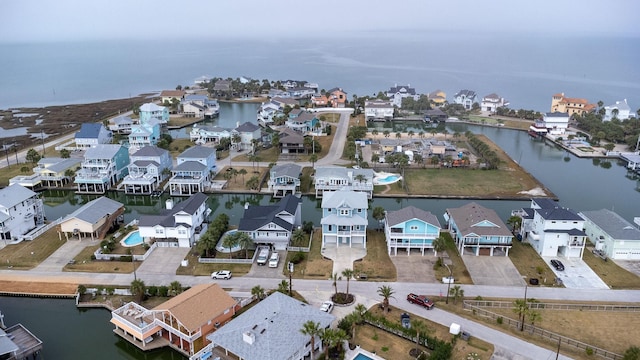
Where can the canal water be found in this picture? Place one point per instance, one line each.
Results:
(69, 333)
(231, 115)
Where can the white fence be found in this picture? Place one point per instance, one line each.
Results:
(100, 256)
(39, 231)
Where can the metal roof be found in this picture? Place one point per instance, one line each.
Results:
(14, 194)
(352, 199)
(612, 224)
(409, 213)
(95, 210)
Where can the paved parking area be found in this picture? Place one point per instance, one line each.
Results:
(415, 267)
(577, 274)
(492, 270)
(161, 259)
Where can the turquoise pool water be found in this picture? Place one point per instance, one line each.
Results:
(362, 356)
(132, 239)
(223, 249)
(389, 179)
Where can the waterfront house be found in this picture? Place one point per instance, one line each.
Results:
(302, 121)
(121, 125)
(199, 106)
(336, 97)
(282, 102)
(479, 229)
(54, 171)
(152, 111)
(437, 97)
(552, 230)
(410, 228)
(331, 178)
(193, 110)
(616, 237)
(319, 100)
(284, 179)
(17, 342)
(177, 225)
(465, 98)
(556, 122)
(92, 134)
(378, 110)
(435, 115)
(21, 210)
(102, 168)
(193, 172)
(201, 134)
(344, 218)
(182, 322)
(570, 106)
(145, 133)
(301, 92)
(270, 331)
(619, 110)
(397, 93)
(272, 224)
(222, 86)
(149, 166)
(171, 96)
(491, 102)
(247, 133)
(291, 142)
(93, 220)
(268, 111)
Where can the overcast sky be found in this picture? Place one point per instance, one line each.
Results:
(47, 20)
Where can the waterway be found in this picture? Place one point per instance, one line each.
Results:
(69, 333)
(231, 115)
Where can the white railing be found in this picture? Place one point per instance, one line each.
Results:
(39, 231)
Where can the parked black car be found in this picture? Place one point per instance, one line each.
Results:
(557, 265)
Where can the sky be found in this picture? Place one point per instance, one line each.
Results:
(64, 20)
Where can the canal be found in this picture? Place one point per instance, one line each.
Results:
(70, 333)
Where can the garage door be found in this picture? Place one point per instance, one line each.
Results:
(624, 254)
(485, 251)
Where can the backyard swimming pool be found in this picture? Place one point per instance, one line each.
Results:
(223, 249)
(385, 178)
(132, 239)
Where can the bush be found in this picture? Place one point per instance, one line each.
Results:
(126, 258)
(110, 290)
(163, 291)
(82, 289)
(499, 320)
(152, 290)
(298, 257)
(93, 257)
(589, 351)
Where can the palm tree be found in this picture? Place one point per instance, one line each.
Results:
(175, 288)
(339, 338)
(258, 292)
(457, 293)
(374, 132)
(206, 244)
(327, 335)
(298, 236)
(334, 278)
(533, 316)
(230, 241)
(245, 242)
(421, 134)
(398, 135)
(521, 308)
(439, 245)
(235, 139)
(411, 133)
(386, 292)
(420, 329)
(515, 222)
(379, 214)
(242, 172)
(283, 287)
(445, 132)
(433, 132)
(312, 329)
(348, 274)
(234, 173)
(137, 289)
(360, 178)
(386, 133)
(313, 158)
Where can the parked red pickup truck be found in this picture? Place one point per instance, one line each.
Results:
(420, 300)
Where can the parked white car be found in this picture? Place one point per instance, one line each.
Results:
(327, 306)
(222, 274)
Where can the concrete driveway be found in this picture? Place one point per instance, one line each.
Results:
(577, 274)
(415, 267)
(492, 270)
(161, 259)
(633, 266)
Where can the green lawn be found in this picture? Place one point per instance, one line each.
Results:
(530, 264)
(612, 274)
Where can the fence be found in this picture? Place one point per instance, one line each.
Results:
(35, 233)
(557, 306)
(300, 248)
(202, 260)
(533, 330)
(100, 256)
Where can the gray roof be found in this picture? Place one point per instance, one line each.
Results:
(6, 345)
(89, 131)
(122, 120)
(559, 213)
(341, 172)
(556, 114)
(620, 105)
(408, 90)
(411, 212)
(166, 217)
(144, 163)
(468, 216)
(290, 169)
(545, 203)
(257, 216)
(492, 96)
(352, 199)
(197, 152)
(290, 136)
(334, 219)
(150, 151)
(612, 224)
(102, 151)
(275, 323)
(95, 210)
(467, 93)
(64, 164)
(190, 166)
(14, 194)
(247, 127)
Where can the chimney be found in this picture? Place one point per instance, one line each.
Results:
(246, 205)
(249, 337)
(169, 204)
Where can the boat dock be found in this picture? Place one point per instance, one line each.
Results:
(16, 342)
(632, 159)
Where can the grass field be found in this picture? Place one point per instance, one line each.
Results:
(314, 266)
(264, 155)
(612, 274)
(458, 269)
(376, 265)
(197, 269)
(28, 254)
(178, 146)
(238, 183)
(84, 263)
(530, 264)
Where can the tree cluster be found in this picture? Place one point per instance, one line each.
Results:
(417, 106)
(208, 241)
(485, 152)
(520, 113)
(614, 131)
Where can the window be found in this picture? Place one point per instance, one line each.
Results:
(344, 212)
(330, 227)
(182, 232)
(159, 231)
(413, 227)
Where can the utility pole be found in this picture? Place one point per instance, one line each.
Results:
(448, 283)
(6, 152)
(558, 351)
(42, 136)
(290, 273)
(524, 310)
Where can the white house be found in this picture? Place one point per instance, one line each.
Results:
(201, 134)
(619, 110)
(491, 102)
(247, 132)
(344, 218)
(611, 233)
(178, 225)
(152, 111)
(397, 93)
(92, 134)
(147, 170)
(272, 224)
(332, 178)
(378, 110)
(556, 122)
(465, 98)
(21, 210)
(410, 228)
(193, 172)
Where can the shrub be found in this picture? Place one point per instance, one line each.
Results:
(110, 290)
(589, 351)
(163, 291)
(478, 298)
(298, 257)
(93, 257)
(499, 320)
(385, 348)
(539, 270)
(82, 289)
(152, 290)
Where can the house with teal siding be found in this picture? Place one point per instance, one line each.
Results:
(152, 111)
(478, 229)
(344, 218)
(103, 167)
(146, 133)
(410, 228)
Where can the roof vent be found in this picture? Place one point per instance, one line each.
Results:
(249, 337)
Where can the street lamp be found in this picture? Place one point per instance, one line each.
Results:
(449, 280)
(524, 309)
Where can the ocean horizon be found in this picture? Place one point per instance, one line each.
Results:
(526, 71)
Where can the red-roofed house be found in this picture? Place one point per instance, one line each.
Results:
(571, 106)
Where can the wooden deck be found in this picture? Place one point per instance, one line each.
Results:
(28, 343)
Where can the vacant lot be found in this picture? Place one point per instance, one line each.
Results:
(197, 269)
(314, 266)
(377, 264)
(458, 269)
(28, 254)
(237, 180)
(530, 264)
(84, 262)
(612, 274)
